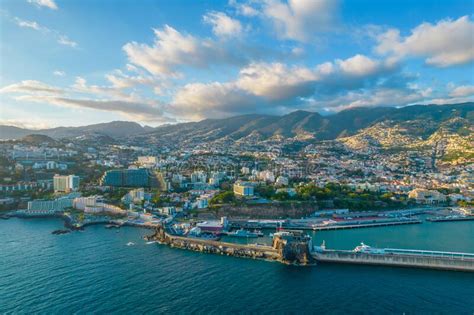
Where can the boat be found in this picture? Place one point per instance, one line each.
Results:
(366, 249)
(151, 242)
(245, 233)
(59, 232)
(112, 226)
(130, 243)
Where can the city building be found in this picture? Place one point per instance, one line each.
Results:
(198, 177)
(134, 196)
(81, 203)
(214, 227)
(49, 206)
(243, 189)
(140, 177)
(147, 161)
(65, 184)
(425, 196)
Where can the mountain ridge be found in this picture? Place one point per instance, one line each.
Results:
(297, 124)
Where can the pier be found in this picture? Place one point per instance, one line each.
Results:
(364, 225)
(287, 247)
(400, 258)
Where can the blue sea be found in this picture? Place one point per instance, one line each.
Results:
(96, 272)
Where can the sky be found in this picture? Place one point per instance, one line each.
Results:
(74, 63)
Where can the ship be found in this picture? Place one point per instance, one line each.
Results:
(366, 249)
(245, 233)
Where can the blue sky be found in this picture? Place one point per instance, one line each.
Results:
(80, 62)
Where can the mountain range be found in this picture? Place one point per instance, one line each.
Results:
(419, 121)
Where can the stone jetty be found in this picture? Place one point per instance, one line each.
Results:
(289, 247)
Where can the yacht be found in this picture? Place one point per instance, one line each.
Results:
(366, 249)
(245, 233)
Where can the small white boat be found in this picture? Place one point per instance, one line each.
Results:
(130, 243)
(363, 248)
(151, 242)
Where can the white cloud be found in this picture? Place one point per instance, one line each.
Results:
(276, 81)
(358, 65)
(244, 9)
(135, 110)
(199, 100)
(463, 90)
(371, 98)
(222, 24)
(87, 96)
(28, 24)
(172, 50)
(121, 80)
(59, 73)
(60, 38)
(30, 86)
(276, 87)
(28, 124)
(301, 20)
(45, 3)
(446, 43)
(64, 40)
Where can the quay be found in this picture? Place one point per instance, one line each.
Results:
(364, 225)
(450, 219)
(311, 225)
(399, 258)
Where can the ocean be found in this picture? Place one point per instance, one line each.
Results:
(94, 271)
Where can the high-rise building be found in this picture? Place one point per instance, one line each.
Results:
(140, 177)
(66, 183)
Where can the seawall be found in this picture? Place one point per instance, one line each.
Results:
(417, 261)
(292, 252)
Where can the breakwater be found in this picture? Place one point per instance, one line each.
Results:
(364, 225)
(417, 259)
(287, 247)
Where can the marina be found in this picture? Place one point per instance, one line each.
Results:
(296, 247)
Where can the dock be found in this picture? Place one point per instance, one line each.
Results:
(287, 247)
(364, 225)
(448, 219)
(400, 258)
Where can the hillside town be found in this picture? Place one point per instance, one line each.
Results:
(273, 179)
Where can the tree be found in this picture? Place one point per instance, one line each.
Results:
(222, 198)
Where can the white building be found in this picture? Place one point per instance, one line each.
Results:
(282, 181)
(65, 183)
(267, 176)
(147, 161)
(81, 203)
(245, 170)
(49, 206)
(134, 196)
(426, 196)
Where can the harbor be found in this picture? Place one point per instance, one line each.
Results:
(296, 247)
(292, 239)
